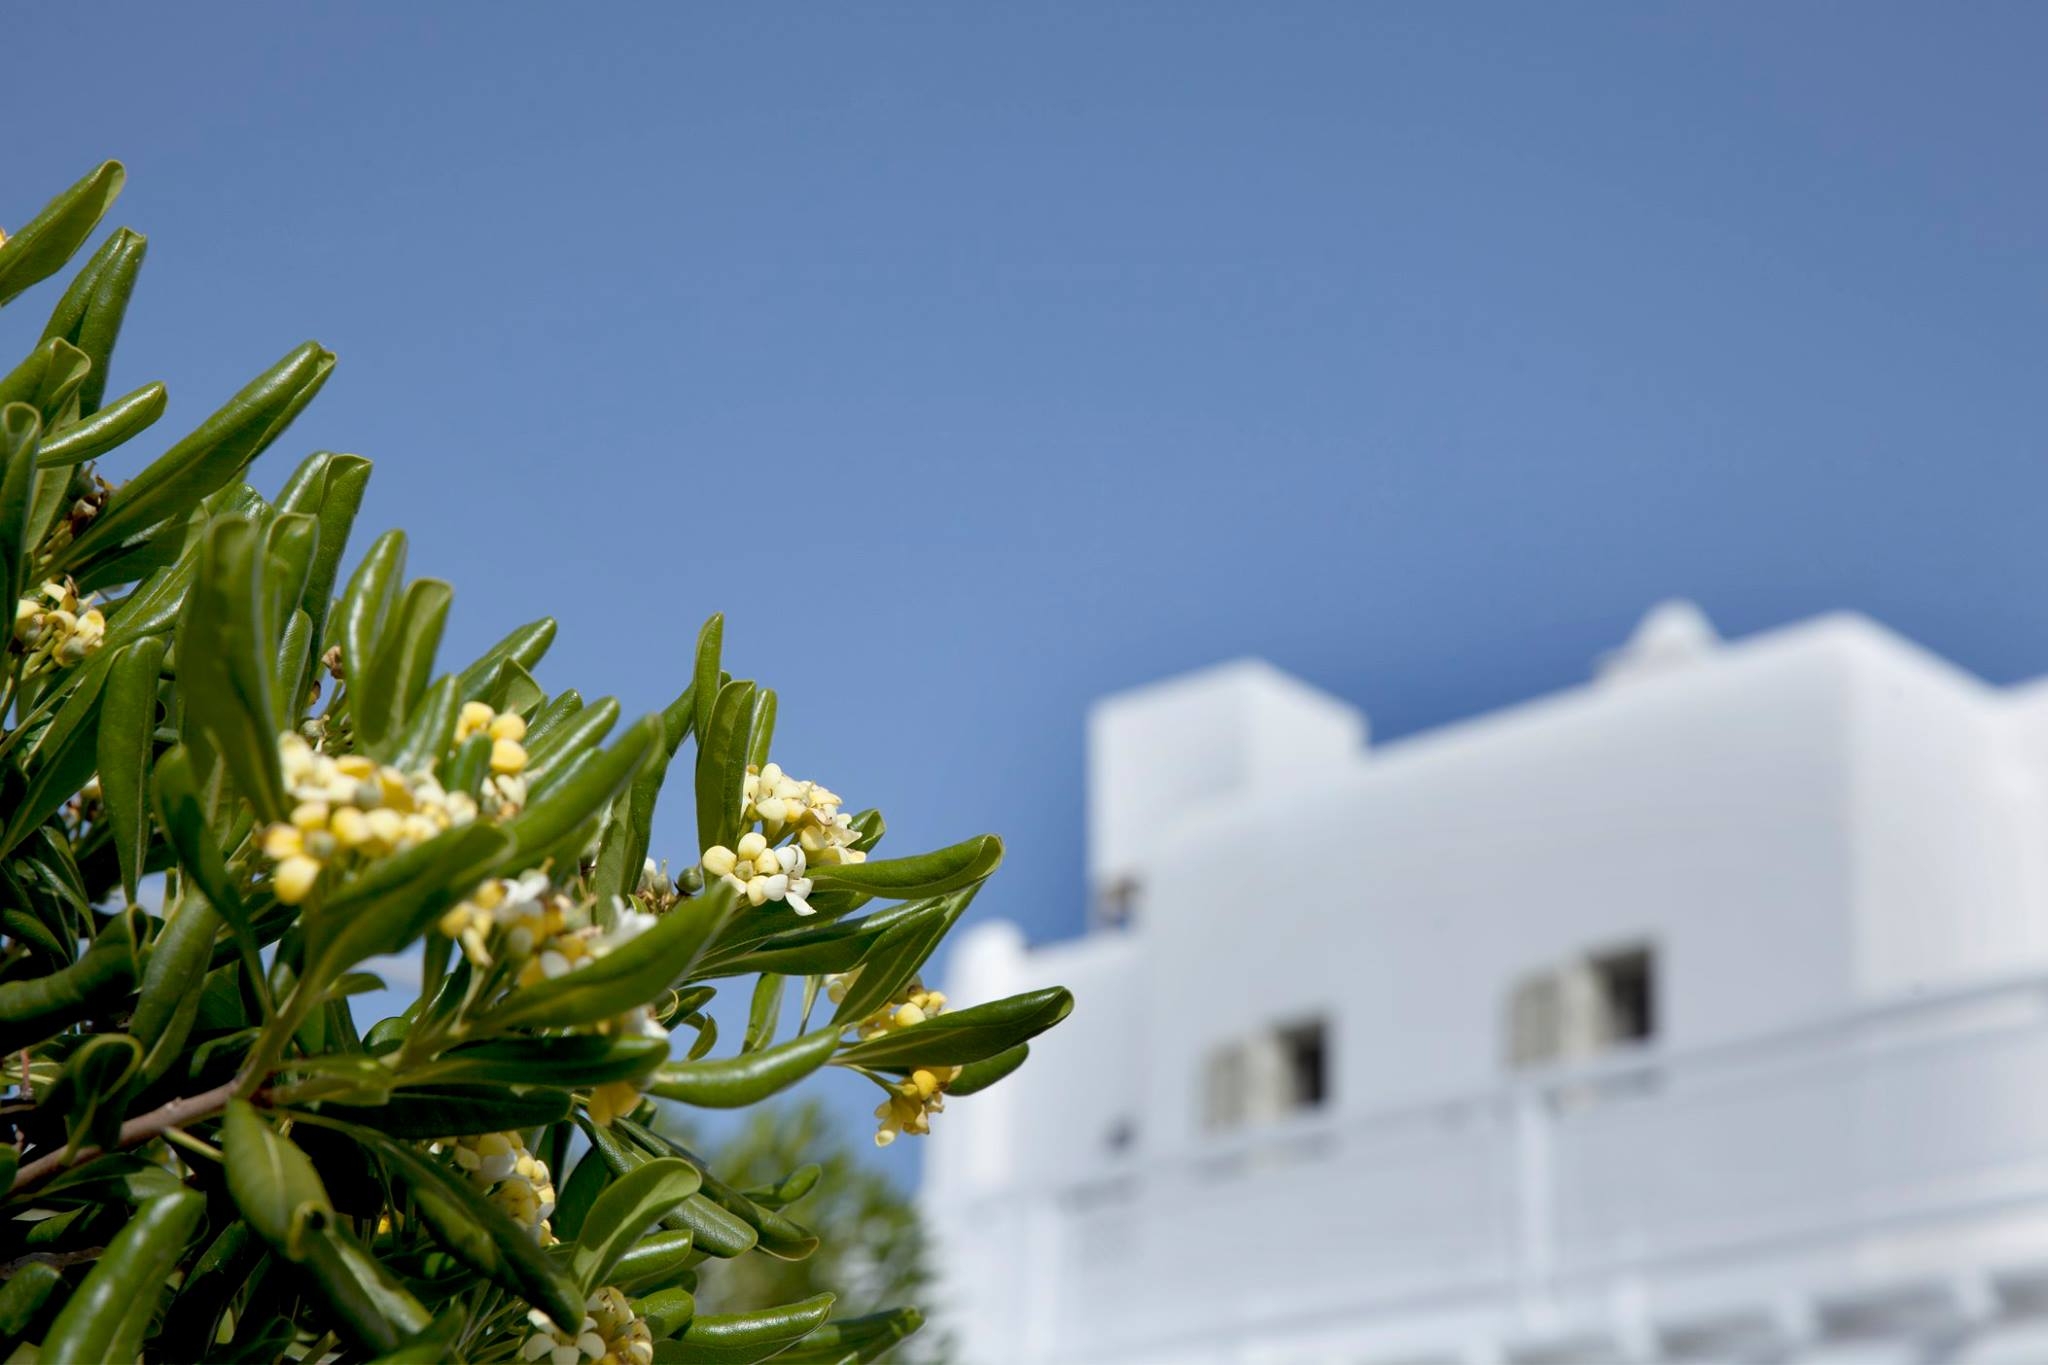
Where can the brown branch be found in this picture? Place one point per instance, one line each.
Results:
(174, 1114)
(56, 1259)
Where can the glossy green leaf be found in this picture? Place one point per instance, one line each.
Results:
(211, 456)
(775, 1234)
(433, 1345)
(126, 745)
(369, 1302)
(40, 247)
(629, 1206)
(624, 853)
(790, 1188)
(105, 1318)
(734, 1082)
(632, 974)
(571, 1061)
(125, 417)
(654, 1261)
(580, 797)
(183, 815)
(574, 1197)
(897, 956)
(666, 1311)
(224, 656)
(436, 1111)
(23, 1294)
(743, 1338)
(970, 1035)
(573, 737)
(762, 731)
(928, 874)
(90, 312)
(20, 429)
(722, 765)
(705, 677)
(524, 646)
(345, 479)
(382, 696)
(386, 908)
(88, 1092)
(763, 1013)
(271, 1181)
(172, 982)
(49, 381)
(37, 1007)
(986, 1072)
(430, 728)
(367, 603)
(862, 1339)
(63, 758)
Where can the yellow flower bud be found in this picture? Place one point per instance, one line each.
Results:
(510, 726)
(350, 827)
(507, 756)
(473, 717)
(294, 878)
(283, 841)
(719, 860)
(751, 845)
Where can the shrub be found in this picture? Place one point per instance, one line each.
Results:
(226, 787)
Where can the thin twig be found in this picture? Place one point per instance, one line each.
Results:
(177, 1112)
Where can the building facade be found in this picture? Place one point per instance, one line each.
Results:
(1696, 1014)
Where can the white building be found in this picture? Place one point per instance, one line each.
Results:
(1696, 1014)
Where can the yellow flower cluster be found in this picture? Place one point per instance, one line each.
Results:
(912, 1102)
(912, 1005)
(516, 1180)
(523, 913)
(611, 1333)
(781, 804)
(504, 789)
(55, 628)
(351, 808)
(805, 813)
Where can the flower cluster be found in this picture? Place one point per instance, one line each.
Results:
(351, 808)
(504, 789)
(803, 812)
(912, 1102)
(515, 916)
(55, 628)
(516, 1180)
(88, 493)
(611, 1333)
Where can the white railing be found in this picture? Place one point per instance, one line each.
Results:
(1913, 1114)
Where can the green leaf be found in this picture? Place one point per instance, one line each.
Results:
(387, 907)
(523, 646)
(63, 755)
(862, 1339)
(372, 1306)
(23, 1294)
(571, 1061)
(88, 1091)
(628, 838)
(37, 1007)
(436, 1111)
(897, 956)
(743, 1338)
(433, 1345)
(581, 796)
(271, 1181)
(127, 731)
(571, 739)
(106, 1317)
(48, 381)
(39, 248)
(929, 874)
(384, 694)
(706, 678)
(763, 1013)
(477, 1232)
(171, 984)
(20, 428)
(183, 814)
(224, 657)
(210, 457)
(119, 420)
(89, 314)
(735, 1082)
(345, 477)
(632, 974)
(762, 732)
(666, 1311)
(628, 1207)
(722, 766)
(430, 728)
(366, 604)
(575, 1195)
(985, 1073)
(655, 1260)
(969, 1035)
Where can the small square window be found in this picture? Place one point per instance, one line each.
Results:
(1276, 1073)
(1594, 1003)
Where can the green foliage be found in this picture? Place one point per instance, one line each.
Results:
(232, 776)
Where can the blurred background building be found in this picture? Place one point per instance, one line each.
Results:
(1695, 1014)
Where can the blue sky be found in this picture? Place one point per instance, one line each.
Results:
(979, 361)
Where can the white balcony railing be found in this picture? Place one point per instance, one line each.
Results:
(1906, 1116)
